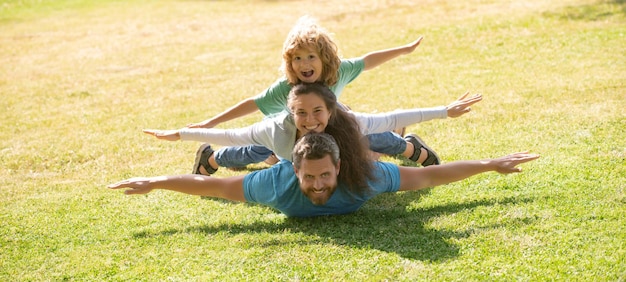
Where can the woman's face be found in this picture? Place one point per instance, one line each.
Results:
(307, 65)
(309, 113)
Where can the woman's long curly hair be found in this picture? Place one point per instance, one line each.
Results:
(356, 167)
(306, 34)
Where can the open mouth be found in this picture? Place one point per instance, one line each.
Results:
(319, 197)
(307, 74)
(311, 127)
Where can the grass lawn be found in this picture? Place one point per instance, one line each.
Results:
(80, 79)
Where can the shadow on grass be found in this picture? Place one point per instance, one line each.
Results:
(385, 224)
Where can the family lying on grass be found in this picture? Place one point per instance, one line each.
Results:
(329, 170)
(315, 184)
(325, 163)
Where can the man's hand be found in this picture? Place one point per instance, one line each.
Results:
(508, 164)
(138, 185)
(463, 105)
(169, 135)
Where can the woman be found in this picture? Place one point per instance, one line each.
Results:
(313, 107)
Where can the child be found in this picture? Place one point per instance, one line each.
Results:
(309, 55)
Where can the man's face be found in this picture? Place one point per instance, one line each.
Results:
(318, 179)
(307, 65)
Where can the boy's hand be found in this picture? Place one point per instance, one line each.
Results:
(413, 45)
(202, 124)
(169, 135)
(463, 105)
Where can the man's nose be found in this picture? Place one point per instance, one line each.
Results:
(317, 184)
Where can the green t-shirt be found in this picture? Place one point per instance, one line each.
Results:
(274, 99)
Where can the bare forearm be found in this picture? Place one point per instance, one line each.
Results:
(243, 108)
(230, 188)
(459, 170)
(377, 58)
(413, 178)
(188, 184)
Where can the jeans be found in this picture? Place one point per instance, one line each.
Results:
(241, 156)
(388, 143)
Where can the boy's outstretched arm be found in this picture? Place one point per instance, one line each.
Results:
(412, 178)
(242, 108)
(229, 188)
(377, 58)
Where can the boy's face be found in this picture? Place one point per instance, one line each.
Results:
(318, 179)
(307, 65)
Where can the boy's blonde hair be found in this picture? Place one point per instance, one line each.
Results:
(307, 34)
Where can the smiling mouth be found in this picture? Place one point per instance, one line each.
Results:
(318, 197)
(310, 128)
(307, 74)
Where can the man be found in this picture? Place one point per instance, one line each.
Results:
(309, 187)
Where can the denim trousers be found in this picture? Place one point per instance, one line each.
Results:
(388, 143)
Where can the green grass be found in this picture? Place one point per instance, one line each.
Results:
(80, 79)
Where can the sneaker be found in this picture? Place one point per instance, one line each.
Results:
(418, 143)
(202, 159)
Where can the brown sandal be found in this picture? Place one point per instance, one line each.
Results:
(202, 159)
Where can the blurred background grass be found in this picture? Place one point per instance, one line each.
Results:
(80, 79)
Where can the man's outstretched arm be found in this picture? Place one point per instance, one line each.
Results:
(412, 178)
(229, 188)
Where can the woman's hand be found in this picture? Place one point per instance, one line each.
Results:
(463, 105)
(169, 135)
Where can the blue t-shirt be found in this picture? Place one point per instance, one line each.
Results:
(278, 188)
(274, 99)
